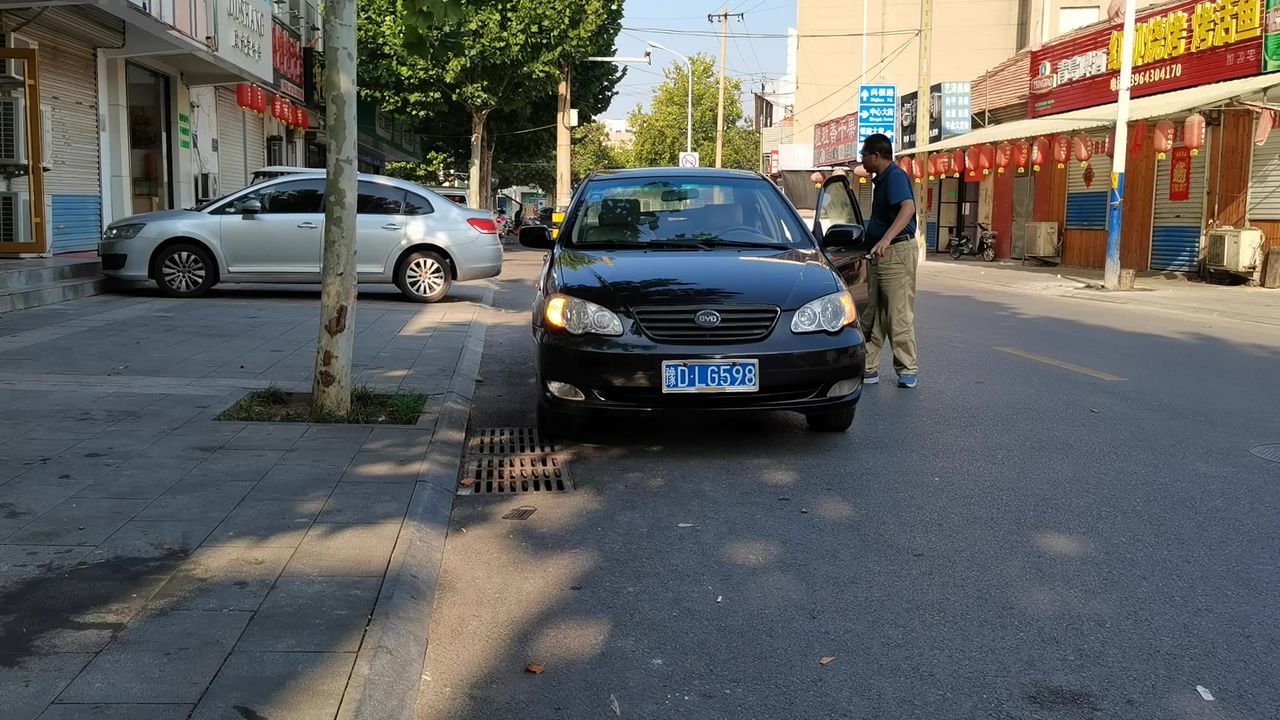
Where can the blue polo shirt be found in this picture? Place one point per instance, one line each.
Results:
(892, 188)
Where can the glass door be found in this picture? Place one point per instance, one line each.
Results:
(149, 157)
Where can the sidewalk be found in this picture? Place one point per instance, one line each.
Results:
(1167, 292)
(156, 563)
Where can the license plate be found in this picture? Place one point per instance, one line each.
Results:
(710, 376)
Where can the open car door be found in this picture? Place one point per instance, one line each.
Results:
(839, 226)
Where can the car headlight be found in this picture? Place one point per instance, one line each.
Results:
(123, 232)
(579, 317)
(826, 314)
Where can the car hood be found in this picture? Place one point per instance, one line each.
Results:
(627, 279)
(158, 216)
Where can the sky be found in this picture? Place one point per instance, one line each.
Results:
(682, 26)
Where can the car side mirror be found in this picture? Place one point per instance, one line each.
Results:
(537, 237)
(249, 207)
(842, 236)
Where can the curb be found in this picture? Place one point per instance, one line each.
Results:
(388, 668)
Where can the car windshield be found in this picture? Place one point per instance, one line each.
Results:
(694, 213)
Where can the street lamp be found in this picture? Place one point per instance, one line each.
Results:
(688, 136)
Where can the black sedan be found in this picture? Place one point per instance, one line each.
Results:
(699, 290)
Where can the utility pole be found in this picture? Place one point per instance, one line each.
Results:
(1115, 214)
(922, 100)
(331, 388)
(723, 18)
(564, 145)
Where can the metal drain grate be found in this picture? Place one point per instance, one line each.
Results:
(506, 461)
(1267, 452)
(509, 441)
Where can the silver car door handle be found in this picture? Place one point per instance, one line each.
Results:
(392, 226)
(308, 225)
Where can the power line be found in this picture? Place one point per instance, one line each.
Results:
(883, 61)
(776, 36)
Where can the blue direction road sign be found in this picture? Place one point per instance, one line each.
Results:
(877, 111)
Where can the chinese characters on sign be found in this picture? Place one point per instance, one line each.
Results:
(286, 60)
(1180, 175)
(835, 141)
(877, 111)
(1194, 42)
(250, 27)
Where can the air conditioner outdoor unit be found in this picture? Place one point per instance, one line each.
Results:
(1041, 239)
(1234, 250)
(206, 186)
(15, 212)
(9, 68)
(13, 141)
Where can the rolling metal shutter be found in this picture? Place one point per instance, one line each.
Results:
(1087, 203)
(67, 40)
(1176, 227)
(255, 143)
(1264, 180)
(231, 128)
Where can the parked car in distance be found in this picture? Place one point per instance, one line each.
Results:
(675, 289)
(273, 232)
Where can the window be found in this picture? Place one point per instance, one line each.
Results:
(1072, 18)
(297, 196)
(416, 205)
(378, 199)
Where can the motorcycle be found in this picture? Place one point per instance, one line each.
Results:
(986, 246)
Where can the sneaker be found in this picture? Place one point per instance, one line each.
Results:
(907, 381)
(871, 378)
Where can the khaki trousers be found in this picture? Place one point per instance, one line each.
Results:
(891, 311)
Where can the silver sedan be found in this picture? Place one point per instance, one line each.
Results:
(273, 232)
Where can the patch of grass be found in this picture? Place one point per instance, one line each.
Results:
(367, 408)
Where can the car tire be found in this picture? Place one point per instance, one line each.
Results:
(424, 277)
(835, 421)
(184, 270)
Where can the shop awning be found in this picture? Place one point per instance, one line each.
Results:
(1152, 106)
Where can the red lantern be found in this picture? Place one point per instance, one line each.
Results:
(1004, 156)
(986, 158)
(244, 96)
(1163, 138)
(859, 171)
(259, 100)
(944, 164)
(1039, 153)
(1082, 146)
(277, 107)
(1061, 150)
(957, 163)
(1137, 137)
(917, 168)
(973, 159)
(931, 166)
(1193, 132)
(1022, 155)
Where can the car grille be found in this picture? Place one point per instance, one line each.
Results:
(738, 323)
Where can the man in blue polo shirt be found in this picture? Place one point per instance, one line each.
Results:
(894, 257)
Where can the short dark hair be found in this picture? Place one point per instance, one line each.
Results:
(878, 144)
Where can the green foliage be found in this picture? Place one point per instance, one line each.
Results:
(428, 172)
(591, 151)
(660, 132)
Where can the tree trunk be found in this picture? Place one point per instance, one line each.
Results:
(475, 191)
(486, 167)
(331, 388)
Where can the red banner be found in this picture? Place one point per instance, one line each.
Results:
(1180, 174)
(835, 142)
(1195, 42)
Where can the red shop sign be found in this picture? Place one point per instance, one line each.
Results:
(286, 60)
(835, 142)
(1195, 42)
(1180, 174)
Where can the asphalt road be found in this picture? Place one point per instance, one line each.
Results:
(1063, 521)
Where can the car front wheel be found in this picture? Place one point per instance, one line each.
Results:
(423, 277)
(184, 270)
(834, 421)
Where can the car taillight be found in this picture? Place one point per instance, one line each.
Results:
(484, 225)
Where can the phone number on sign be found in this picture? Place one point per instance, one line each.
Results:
(1153, 75)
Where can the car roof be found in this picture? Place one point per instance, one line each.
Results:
(450, 190)
(679, 172)
(287, 169)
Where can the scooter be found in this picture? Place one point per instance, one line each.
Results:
(986, 246)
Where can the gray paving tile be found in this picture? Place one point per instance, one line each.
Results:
(367, 502)
(319, 451)
(401, 441)
(142, 539)
(139, 478)
(196, 499)
(313, 615)
(167, 658)
(384, 467)
(353, 433)
(266, 436)
(337, 550)
(114, 445)
(278, 686)
(223, 578)
(35, 449)
(25, 561)
(78, 521)
(267, 523)
(27, 497)
(235, 466)
(297, 482)
(28, 684)
(116, 712)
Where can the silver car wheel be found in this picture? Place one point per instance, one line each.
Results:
(183, 271)
(425, 276)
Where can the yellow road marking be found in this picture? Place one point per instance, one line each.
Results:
(1064, 365)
